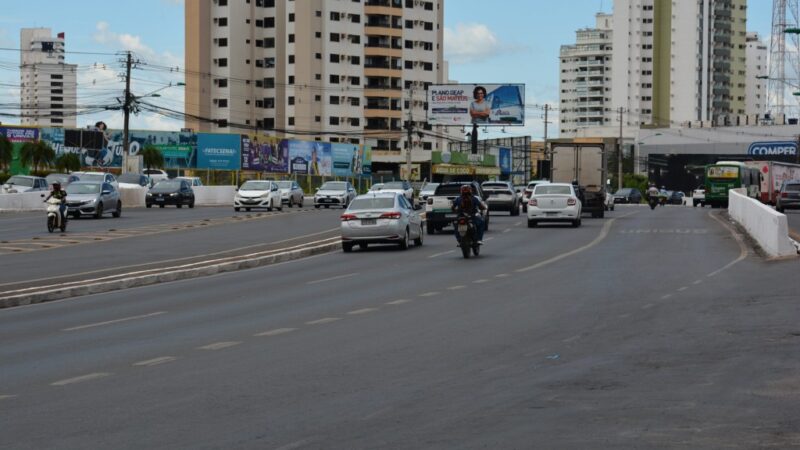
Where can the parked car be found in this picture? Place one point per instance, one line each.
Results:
(381, 218)
(334, 193)
(98, 177)
(93, 198)
(439, 208)
(675, 197)
(554, 202)
(156, 175)
(291, 193)
(628, 195)
(376, 187)
(402, 187)
(699, 196)
(193, 181)
(24, 183)
(426, 191)
(170, 192)
(789, 196)
(133, 180)
(258, 194)
(526, 194)
(500, 196)
(63, 178)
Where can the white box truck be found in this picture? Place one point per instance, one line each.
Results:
(582, 161)
(773, 174)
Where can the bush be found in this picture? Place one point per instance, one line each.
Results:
(4, 176)
(639, 182)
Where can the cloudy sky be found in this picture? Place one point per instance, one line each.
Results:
(500, 41)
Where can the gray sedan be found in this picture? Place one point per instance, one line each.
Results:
(86, 198)
(291, 193)
(381, 218)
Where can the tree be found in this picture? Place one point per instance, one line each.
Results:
(39, 153)
(152, 157)
(6, 152)
(68, 162)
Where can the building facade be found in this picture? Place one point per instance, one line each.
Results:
(585, 84)
(336, 70)
(48, 85)
(755, 87)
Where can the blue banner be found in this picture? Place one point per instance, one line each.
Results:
(505, 160)
(778, 148)
(218, 151)
(344, 158)
(310, 158)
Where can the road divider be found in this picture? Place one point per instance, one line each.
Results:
(765, 225)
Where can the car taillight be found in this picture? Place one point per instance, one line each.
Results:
(528, 193)
(533, 202)
(430, 200)
(462, 221)
(784, 195)
(348, 217)
(390, 215)
(571, 201)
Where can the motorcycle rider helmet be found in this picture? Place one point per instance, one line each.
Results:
(56, 186)
(466, 189)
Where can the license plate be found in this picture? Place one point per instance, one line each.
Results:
(462, 229)
(449, 216)
(551, 213)
(159, 199)
(369, 221)
(325, 200)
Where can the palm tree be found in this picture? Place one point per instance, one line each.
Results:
(68, 162)
(152, 157)
(6, 152)
(37, 153)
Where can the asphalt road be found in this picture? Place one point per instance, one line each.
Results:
(793, 217)
(649, 329)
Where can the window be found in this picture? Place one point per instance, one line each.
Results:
(269, 43)
(409, 24)
(221, 102)
(291, 79)
(291, 17)
(61, 77)
(291, 59)
(334, 57)
(269, 22)
(334, 79)
(355, 101)
(221, 82)
(333, 120)
(334, 16)
(334, 37)
(291, 121)
(355, 18)
(317, 119)
(355, 60)
(334, 100)
(317, 98)
(222, 2)
(222, 62)
(318, 34)
(291, 38)
(269, 83)
(222, 21)
(409, 64)
(290, 99)
(354, 122)
(355, 81)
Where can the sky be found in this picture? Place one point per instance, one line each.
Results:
(515, 41)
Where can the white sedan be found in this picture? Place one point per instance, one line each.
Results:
(554, 202)
(257, 194)
(381, 218)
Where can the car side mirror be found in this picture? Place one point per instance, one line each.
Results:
(42, 195)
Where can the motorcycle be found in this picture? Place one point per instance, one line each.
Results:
(467, 235)
(652, 201)
(54, 218)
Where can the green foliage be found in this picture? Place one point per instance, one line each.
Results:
(68, 162)
(39, 154)
(6, 152)
(152, 157)
(639, 182)
(4, 176)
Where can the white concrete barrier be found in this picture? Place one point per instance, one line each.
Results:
(768, 227)
(23, 201)
(132, 197)
(214, 195)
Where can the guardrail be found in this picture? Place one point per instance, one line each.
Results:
(768, 227)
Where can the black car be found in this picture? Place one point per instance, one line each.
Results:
(439, 208)
(675, 197)
(170, 192)
(628, 195)
(789, 197)
(501, 196)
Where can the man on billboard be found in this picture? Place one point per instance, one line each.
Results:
(479, 109)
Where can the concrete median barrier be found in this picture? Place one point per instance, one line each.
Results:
(765, 225)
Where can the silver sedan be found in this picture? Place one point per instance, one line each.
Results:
(381, 218)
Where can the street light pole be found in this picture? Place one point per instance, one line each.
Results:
(126, 109)
(619, 152)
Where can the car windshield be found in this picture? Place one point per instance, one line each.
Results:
(792, 187)
(449, 190)
(131, 178)
(495, 186)
(92, 177)
(394, 185)
(256, 186)
(57, 177)
(430, 187)
(548, 189)
(168, 185)
(371, 203)
(334, 186)
(81, 188)
(623, 192)
(20, 181)
(284, 184)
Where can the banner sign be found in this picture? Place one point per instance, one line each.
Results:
(218, 151)
(461, 158)
(20, 134)
(344, 158)
(310, 158)
(265, 153)
(485, 105)
(416, 169)
(782, 148)
(505, 160)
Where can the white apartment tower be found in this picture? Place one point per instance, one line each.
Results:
(306, 69)
(48, 86)
(585, 85)
(756, 89)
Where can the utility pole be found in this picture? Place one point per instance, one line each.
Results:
(409, 129)
(619, 151)
(126, 109)
(544, 148)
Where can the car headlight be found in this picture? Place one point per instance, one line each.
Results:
(149, 194)
(173, 195)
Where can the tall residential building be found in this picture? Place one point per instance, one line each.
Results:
(585, 85)
(755, 88)
(359, 69)
(679, 61)
(48, 86)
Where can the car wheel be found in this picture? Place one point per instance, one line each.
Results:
(118, 211)
(363, 246)
(161, 205)
(430, 228)
(347, 247)
(191, 204)
(316, 206)
(418, 241)
(404, 243)
(302, 202)
(525, 208)
(576, 223)
(327, 206)
(532, 223)
(98, 213)
(148, 205)
(179, 205)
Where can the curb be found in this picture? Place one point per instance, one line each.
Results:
(165, 277)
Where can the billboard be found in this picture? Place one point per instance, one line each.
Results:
(310, 158)
(504, 155)
(780, 148)
(218, 151)
(18, 137)
(344, 159)
(482, 104)
(265, 153)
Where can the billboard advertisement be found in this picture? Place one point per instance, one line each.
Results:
(345, 158)
(365, 160)
(310, 158)
(18, 136)
(781, 148)
(482, 104)
(265, 153)
(504, 154)
(218, 151)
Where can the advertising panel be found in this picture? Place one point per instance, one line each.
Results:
(344, 159)
(783, 148)
(18, 136)
(416, 170)
(482, 104)
(310, 158)
(364, 160)
(265, 153)
(218, 151)
(505, 160)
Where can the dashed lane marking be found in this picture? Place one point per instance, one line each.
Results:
(362, 311)
(81, 379)
(275, 332)
(455, 288)
(502, 275)
(7, 397)
(398, 302)
(338, 277)
(696, 282)
(110, 322)
(481, 281)
(506, 230)
(323, 321)
(436, 255)
(683, 288)
(429, 294)
(155, 361)
(648, 306)
(219, 345)
(571, 339)
(666, 296)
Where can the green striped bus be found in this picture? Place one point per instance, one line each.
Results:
(726, 175)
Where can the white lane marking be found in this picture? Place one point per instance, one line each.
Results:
(376, 413)
(696, 282)
(296, 444)
(362, 311)
(624, 316)
(6, 397)
(488, 239)
(219, 345)
(502, 275)
(323, 321)
(518, 224)
(481, 281)
(109, 322)
(429, 294)
(398, 302)
(155, 361)
(666, 296)
(82, 378)
(597, 240)
(571, 339)
(338, 277)
(436, 255)
(275, 332)
(455, 288)
(681, 289)
(506, 230)
(648, 306)
(743, 252)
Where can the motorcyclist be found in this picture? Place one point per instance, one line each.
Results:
(652, 191)
(59, 194)
(471, 205)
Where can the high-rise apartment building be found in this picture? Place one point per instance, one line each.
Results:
(679, 61)
(585, 85)
(756, 88)
(48, 86)
(338, 70)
